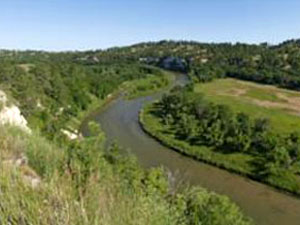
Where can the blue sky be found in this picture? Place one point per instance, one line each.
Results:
(94, 24)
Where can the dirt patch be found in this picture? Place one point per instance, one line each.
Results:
(290, 104)
(238, 91)
(26, 67)
(235, 92)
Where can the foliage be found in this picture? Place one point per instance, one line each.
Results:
(200, 207)
(91, 185)
(151, 84)
(250, 146)
(51, 93)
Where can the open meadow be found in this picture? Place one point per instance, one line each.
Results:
(281, 106)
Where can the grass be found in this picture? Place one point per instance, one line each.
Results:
(263, 95)
(116, 190)
(281, 106)
(107, 198)
(243, 164)
(148, 85)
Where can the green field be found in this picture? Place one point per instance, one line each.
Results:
(148, 85)
(281, 106)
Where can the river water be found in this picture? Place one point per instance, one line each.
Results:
(119, 120)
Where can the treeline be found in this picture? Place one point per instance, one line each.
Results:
(269, 64)
(200, 122)
(277, 77)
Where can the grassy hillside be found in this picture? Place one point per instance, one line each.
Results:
(81, 182)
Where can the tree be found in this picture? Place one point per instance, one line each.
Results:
(239, 135)
(278, 161)
(294, 150)
(187, 127)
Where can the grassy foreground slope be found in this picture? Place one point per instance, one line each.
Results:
(81, 182)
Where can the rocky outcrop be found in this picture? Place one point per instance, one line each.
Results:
(11, 114)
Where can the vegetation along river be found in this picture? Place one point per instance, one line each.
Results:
(119, 120)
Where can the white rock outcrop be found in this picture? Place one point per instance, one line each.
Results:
(11, 114)
(72, 135)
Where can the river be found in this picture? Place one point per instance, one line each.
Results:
(119, 120)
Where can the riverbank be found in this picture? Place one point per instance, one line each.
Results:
(119, 121)
(129, 89)
(209, 199)
(238, 164)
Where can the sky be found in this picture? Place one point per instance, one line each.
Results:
(58, 25)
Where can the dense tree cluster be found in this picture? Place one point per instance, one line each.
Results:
(51, 92)
(268, 65)
(200, 122)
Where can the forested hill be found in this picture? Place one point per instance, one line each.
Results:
(284, 55)
(272, 64)
(264, 63)
(199, 53)
(55, 79)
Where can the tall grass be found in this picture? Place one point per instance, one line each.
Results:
(74, 190)
(83, 183)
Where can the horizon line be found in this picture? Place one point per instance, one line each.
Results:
(146, 42)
